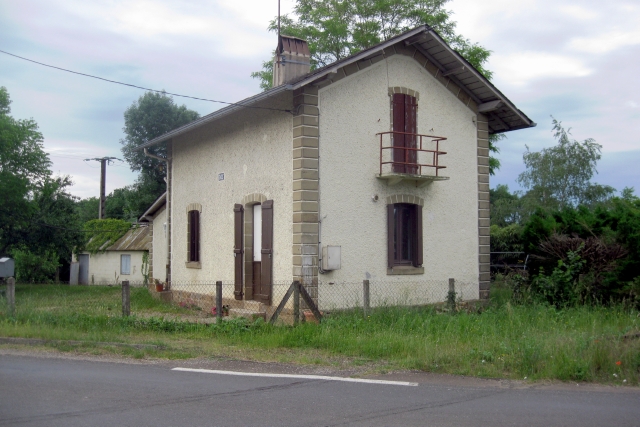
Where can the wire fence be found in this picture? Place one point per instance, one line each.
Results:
(209, 301)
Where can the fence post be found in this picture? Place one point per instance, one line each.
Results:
(451, 295)
(219, 300)
(11, 295)
(365, 297)
(126, 307)
(452, 285)
(296, 302)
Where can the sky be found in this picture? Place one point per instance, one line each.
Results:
(577, 61)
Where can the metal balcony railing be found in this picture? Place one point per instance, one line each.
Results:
(409, 154)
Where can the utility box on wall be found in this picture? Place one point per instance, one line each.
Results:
(331, 258)
(7, 267)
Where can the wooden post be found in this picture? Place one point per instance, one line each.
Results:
(452, 285)
(11, 295)
(296, 302)
(219, 300)
(126, 307)
(365, 297)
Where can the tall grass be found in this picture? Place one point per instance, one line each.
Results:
(504, 340)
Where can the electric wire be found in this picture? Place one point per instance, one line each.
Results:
(141, 87)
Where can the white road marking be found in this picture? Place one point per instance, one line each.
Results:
(306, 377)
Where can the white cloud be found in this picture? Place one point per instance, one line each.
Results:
(631, 104)
(605, 42)
(578, 12)
(521, 68)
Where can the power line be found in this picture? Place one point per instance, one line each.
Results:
(143, 88)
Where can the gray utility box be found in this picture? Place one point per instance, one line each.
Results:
(7, 267)
(331, 258)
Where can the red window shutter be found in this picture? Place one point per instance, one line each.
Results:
(391, 228)
(267, 245)
(238, 248)
(418, 240)
(398, 126)
(410, 126)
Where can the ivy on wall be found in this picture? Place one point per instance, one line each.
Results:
(101, 233)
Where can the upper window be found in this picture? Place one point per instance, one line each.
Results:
(404, 235)
(125, 264)
(405, 155)
(193, 249)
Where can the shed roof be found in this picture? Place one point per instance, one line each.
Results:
(136, 239)
(158, 204)
(503, 115)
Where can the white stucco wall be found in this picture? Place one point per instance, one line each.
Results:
(104, 268)
(254, 151)
(352, 111)
(160, 245)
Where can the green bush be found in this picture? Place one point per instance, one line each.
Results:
(35, 268)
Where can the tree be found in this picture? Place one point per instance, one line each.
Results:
(24, 166)
(152, 115)
(336, 29)
(560, 176)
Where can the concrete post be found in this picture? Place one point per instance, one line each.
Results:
(365, 297)
(126, 307)
(452, 285)
(11, 295)
(218, 301)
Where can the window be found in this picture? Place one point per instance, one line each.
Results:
(193, 236)
(404, 235)
(125, 264)
(405, 109)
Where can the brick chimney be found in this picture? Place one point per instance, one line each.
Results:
(292, 60)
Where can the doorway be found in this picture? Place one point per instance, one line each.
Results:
(83, 269)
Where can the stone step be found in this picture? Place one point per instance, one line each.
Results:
(249, 314)
(254, 306)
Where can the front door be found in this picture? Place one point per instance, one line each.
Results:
(263, 251)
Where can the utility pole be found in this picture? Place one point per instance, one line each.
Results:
(103, 179)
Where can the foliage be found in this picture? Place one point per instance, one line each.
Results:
(152, 115)
(87, 209)
(561, 287)
(144, 268)
(35, 267)
(560, 176)
(506, 239)
(336, 29)
(130, 202)
(100, 233)
(38, 219)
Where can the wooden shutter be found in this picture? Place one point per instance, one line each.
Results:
(398, 126)
(267, 246)
(391, 226)
(410, 126)
(195, 235)
(419, 243)
(238, 248)
(405, 109)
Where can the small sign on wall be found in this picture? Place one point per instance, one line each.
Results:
(221, 176)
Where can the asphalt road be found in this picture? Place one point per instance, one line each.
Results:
(37, 391)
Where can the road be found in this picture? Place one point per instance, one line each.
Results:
(45, 391)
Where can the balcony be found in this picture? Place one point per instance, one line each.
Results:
(410, 157)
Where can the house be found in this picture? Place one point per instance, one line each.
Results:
(373, 167)
(124, 259)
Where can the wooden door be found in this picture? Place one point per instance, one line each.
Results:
(262, 291)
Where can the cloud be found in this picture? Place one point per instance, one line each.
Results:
(521, 68)
(607, 42)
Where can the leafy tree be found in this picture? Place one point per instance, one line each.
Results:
(87, 209)
(152, 115)
(560, 176)
(336, 29)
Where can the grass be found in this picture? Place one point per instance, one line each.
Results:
(594, 344)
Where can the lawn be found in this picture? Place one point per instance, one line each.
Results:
(534, 342)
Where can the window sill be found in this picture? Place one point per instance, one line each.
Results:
(404, 270)
(193, 264)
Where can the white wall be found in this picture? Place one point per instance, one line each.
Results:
(352, 111)
(104, 268)
(160, 245)
(254, 151)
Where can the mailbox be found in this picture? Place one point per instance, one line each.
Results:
(7, 267)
